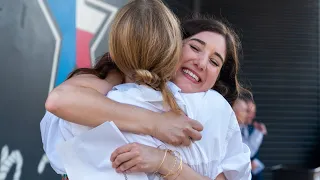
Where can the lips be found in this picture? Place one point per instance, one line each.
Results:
(191, 75)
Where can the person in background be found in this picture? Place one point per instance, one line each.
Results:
(252, 131)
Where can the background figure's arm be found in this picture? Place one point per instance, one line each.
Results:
(254, 141)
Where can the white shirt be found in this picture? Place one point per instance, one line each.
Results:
(220, 149)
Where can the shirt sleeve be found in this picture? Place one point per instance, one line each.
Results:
(254, 141)
(235, 163)
(51, 135)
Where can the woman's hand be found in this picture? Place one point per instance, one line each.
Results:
(136, 157)
(176, 129)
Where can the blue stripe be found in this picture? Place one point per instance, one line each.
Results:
(64, 12)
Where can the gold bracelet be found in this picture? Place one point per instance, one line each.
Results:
(174, 165)
(180, 166)
(164, 157)
(179, 173)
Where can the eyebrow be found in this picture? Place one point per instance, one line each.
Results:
(217, 54)
(199, 41)
(204, 43)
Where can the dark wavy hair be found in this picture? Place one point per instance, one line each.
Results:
(227, 84)
(101, 69)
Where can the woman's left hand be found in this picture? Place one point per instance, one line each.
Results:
(136, 157)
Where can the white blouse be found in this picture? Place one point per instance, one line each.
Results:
(220, 149)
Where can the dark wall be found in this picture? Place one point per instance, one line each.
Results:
(182, 8)
(281, 63)
(26, 50)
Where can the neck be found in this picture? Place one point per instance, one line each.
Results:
(127, 80)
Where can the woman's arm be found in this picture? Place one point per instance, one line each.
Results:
(81, 99)
(137, 157)
(187, 173)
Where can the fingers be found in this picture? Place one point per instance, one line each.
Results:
(123, 159)
(121, 150)
(124, 167)
(193, 134)
(186, 141)
(256, 125)
(133, 169)
(196, 125)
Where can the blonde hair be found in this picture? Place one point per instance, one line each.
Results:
(145, 43)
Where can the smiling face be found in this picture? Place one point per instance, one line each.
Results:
(202, 58)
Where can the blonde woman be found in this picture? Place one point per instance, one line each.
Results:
(208, 162)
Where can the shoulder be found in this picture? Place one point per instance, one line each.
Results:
(207, 102)
(125, 92)
(138, 95)
(209, 107)
(89, 81)
(220, 111)
(133, 90)
(215, 100)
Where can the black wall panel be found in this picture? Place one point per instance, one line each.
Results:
(281, 64)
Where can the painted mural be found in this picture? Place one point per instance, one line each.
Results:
(44, 41)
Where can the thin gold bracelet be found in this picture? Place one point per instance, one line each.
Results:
(175, 172)
(174, 165)
(179, 173)
(164, 157)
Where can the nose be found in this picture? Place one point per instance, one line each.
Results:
(201, 62)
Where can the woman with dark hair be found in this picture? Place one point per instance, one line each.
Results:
(209, 61)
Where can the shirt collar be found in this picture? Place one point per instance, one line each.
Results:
(146, 93)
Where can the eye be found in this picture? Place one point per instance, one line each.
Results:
(194, 48)
(214, 62)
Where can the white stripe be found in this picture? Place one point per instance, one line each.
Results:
(42, 164)
(88, 18)
(57, 38)
(113, 10)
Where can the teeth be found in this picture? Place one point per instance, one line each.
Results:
(195, 77)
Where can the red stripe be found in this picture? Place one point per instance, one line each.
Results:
(83, 48)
